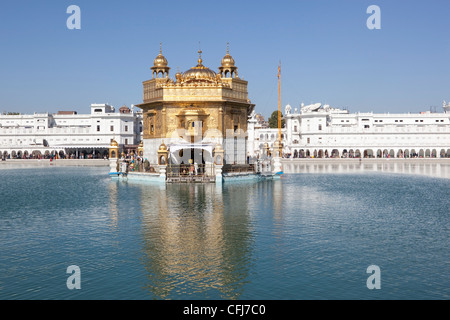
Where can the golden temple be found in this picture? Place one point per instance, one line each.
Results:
(195, 112)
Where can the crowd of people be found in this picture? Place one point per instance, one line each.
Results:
(53, 156)
(135, 164)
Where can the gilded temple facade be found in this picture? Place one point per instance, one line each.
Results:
(196, 113)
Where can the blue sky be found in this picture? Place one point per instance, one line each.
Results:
(327, 52)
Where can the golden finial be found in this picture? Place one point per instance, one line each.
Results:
(228, 47)
(160, 48)
(200, 57)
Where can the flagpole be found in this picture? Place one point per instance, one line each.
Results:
(279, 102)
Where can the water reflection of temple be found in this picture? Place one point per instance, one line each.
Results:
(193, 243)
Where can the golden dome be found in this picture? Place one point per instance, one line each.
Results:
(199, 72)
(160, 61)
(114, 143)
(227, 68)
(160, 64)
(227, 60)
(141, 144)
(162, 147)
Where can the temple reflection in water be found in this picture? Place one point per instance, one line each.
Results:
(193, 242)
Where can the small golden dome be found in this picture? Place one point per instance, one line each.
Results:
(162, 147)
(114, 143)
(227, 60)
(160, 61)
(227, 68)
(141, 144)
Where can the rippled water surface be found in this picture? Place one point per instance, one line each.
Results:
(307, 236)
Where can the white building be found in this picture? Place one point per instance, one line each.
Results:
(68, 134)
(321, 131)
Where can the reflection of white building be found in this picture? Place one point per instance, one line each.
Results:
(322, 131)
(68, 133)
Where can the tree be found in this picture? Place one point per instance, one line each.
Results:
(273, 120)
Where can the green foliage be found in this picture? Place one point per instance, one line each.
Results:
(273, 120)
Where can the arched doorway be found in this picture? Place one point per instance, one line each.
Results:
(36, 154)
(421, 153)
(344, 153)
(368, 153)
(335, 153)
(406, 154)
(392, 153)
